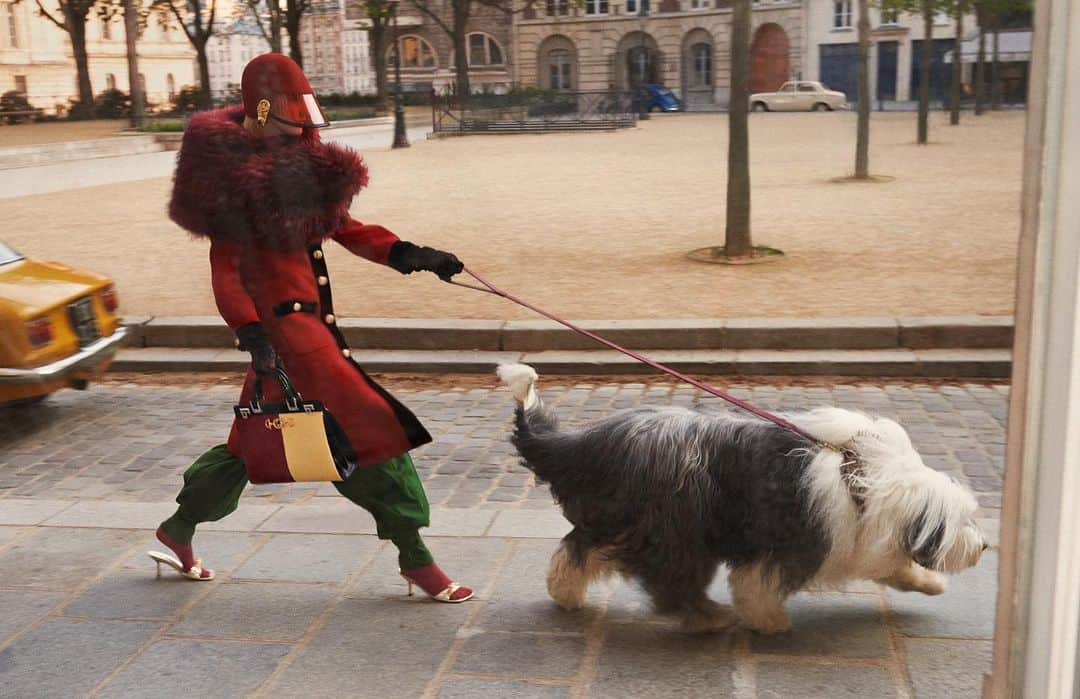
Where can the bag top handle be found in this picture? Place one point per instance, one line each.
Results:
(292, 396)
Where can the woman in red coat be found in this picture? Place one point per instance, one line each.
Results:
(259, 183)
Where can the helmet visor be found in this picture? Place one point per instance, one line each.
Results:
(300, 110)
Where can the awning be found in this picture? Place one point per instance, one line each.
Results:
(1013, 46)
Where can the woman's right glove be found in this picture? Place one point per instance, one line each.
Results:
(252, 338)
(407, 258)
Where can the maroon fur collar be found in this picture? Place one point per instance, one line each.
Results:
(283, 194)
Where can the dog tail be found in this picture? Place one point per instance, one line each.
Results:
(536, 427)
(532, 416)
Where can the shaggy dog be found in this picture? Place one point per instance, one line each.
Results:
(665, 495)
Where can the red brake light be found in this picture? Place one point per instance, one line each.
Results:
(39, 331)
(110, 298)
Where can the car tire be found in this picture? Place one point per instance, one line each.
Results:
(821, 107)
(759, 107)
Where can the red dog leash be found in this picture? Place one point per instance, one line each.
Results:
(489, 288)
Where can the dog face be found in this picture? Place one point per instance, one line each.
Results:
(945, 539)
(931, 515)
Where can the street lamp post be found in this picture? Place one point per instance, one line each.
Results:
(401, 139)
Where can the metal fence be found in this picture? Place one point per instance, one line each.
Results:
(534, 110)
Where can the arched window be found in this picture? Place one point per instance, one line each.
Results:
(415, 53)
(110, 81)
(701, 74)
(484, 51)
(560, 69)
(106, 29)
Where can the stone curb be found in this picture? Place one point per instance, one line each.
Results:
(885, 333)
(969, 363)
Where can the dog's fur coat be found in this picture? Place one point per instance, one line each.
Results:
(665, 495)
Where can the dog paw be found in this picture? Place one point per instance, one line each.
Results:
(773, 624)
(932, 584)
(570, 600)
(711, 619)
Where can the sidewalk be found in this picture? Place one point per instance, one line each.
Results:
(307, 601)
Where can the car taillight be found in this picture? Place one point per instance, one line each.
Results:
(39, 331)
(110, 299)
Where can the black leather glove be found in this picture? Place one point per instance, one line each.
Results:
(408, 258)
(252, 338)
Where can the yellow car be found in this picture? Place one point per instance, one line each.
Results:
(58, 327)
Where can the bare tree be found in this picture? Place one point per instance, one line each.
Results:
(131, 34)
(379, 14)
(270, 18)
(197, 24)
(959, 8)
(294, 13)
(737, 241)
(862, 130)
(927, 9)
(70, 16)
(980, 65)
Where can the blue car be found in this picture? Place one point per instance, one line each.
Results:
(662, 100)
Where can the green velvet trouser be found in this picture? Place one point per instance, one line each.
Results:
(391, 492)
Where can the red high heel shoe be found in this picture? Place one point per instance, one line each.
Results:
(186, 564)
(436, 584)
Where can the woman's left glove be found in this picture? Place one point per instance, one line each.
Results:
(408, 258)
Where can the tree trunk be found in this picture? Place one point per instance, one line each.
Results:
(131, 33)
(84, 108)
(924, 72)
(275, 30)
(206, 98)
(737, 241)
(862, 131)
(957, 65)
(378, 35)
(460, 39)
(980, 73)
(292, 23)
(995, 76)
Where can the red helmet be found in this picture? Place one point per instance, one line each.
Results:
(275, 87)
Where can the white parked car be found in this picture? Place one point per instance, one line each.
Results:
(799, 96)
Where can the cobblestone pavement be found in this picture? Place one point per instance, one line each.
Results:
(133, 442)
(307, 603)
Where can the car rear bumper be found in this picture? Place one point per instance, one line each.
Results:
(88, 358)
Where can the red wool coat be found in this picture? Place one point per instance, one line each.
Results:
(267, 207)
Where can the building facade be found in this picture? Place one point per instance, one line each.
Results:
(683, 45)
(896, 38)
(427, 52)
(231, 46)
(36, 58)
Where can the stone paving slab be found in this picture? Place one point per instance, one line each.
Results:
(946, 668)
(69, 657)
(30, 512)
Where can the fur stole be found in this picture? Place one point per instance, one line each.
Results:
(278, 194)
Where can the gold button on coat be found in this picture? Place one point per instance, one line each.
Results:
(296, 306)
(317, 254)
(323, 281)
(329, 318)
(346, 352)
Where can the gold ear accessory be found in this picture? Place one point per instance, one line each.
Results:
(262, 111)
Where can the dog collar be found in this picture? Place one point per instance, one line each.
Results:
(854, 473)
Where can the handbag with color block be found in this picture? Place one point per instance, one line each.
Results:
(294, 440)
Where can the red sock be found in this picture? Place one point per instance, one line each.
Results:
(183, 551)
(432, 580)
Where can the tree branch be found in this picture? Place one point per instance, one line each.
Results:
(210, 24)
(253, 5)
(45, 13)
(422, 6)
